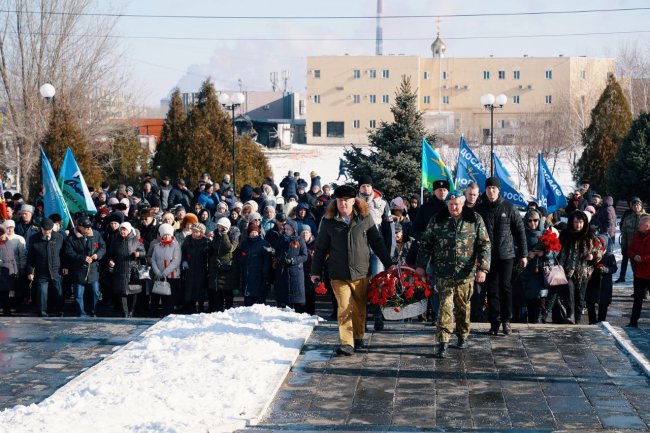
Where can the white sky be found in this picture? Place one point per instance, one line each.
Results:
(158, 65)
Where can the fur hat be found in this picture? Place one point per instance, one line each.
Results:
(165, 229)
(27, 208)
(442, 183)
(189, 218)
(345, 191)
(365, 179)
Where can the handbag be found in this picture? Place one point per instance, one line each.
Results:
(554, 275)
(143, 272)
(162, 288)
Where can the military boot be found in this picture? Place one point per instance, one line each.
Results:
(462, 343)
(442, 350)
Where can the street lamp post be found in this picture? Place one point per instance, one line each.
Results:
(490, 102)
(47, 91)
(230, 103)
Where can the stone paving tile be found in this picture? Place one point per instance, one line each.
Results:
(560, 379)
(39, 355)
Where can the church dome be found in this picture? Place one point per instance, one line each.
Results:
(438, 47)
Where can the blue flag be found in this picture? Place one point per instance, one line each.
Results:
(508, 191)
(470, 168)
(74, 188)
(52, 197)
(549, 193)
(432, 166)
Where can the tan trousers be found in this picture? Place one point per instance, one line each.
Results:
(352, 297)
(454, 307)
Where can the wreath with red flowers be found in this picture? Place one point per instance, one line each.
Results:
(549, 241)
(397, 288)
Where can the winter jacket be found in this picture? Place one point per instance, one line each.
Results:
(576, 246)
(164, 196)
(640, 246)
(289, 276)
(26, 231)
(575, 205)
(149, 233)
(348, 245)
(289, 187)
(255, 261)
(605, 218)
(209, 201)
(420, 223)
(181, 196)
(629, 227)
(505, 228)
(8, 266)
(77, 248)
(220, 254)
(45, 258)
(166, 261)
(599, 287)
(122, 252)
(20, 252)
(194, 254)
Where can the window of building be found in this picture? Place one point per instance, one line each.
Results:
(516, 75)
(486, 75)
(373, 99)
(373, 73)
(385, 99)
(427, 75)
(502, 75)
(548, 74)
(315, 129)
(357, 73)
(317, 73)
(316, 99)
(385, 73)
(372, 124)
(335, 129)
(548, 99)
(583, 75)
(356, 99)
(501, 123)
(445, 99)
(445, 75)
(427, 99)
(515, 99)
(356, 124)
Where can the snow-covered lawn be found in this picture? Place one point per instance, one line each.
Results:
(199, 373)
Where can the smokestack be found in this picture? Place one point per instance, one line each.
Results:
(379, 44)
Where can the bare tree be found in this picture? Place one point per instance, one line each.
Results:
(633, 67)
(54, 41)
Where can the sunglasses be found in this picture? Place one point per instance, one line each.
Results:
(533, 221)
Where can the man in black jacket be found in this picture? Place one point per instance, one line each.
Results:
(348, 233)
(44, 265)
(84, 248)
(508, 239)
(181, 195)
(425, 212)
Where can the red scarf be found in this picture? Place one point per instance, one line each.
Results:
(166, 242)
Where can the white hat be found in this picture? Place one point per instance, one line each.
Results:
(224, 222)
(126, 202)
(279, 200)
(222, 205)
(127, 226)
(238, 205)
(254, 216)
(9, 223)
(165, 229)
(112, 201)
(253, 204)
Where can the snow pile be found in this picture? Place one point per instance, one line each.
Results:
(198, 373)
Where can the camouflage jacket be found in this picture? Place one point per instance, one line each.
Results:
(456, 249)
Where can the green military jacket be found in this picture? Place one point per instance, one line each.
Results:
(456, 248)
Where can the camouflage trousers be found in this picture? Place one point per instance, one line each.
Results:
(454, 306)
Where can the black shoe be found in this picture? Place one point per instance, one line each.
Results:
(358, 343)
(632, 325)
(92, 314)
(379, 324)
(345, 350)
(462, 343)
(620, 280)
(442, 351)
(43, 315)
(507, 329)
(494, 329)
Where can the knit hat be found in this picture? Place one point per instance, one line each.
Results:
(125, 201)
(305, 228)
(113, 201)
(9, 223)
(224, 222)
(223, 206)
(129, 189)
(315, 181)
(398, 227)
(253, 228)
(127, 226)
(397, 203)
(254, 216)
(635, 200)
(493, 181)
(365, 179)
(281, 217)
(238, 205)
(253, 204)
(165, 229)
(198, 227)
(293, 224)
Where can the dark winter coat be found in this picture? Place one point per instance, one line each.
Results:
(77, 248)
(45, 258)
(420, 223)
(246, 193)
(289, 187)
(183, 197)
(574, 205)
(122, 252)
(348, 245)
(307, 220)
(599, 288)
(269, 182)
(8, 267)
(289, 276)
(195, 253)
(505, 229)
(220, 253)
(164, 196)
(576, 246)
(26, 231)
(605, 218)
(255, 261)
(149, 233)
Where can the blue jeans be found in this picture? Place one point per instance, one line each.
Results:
(79, 290)
(43, 287)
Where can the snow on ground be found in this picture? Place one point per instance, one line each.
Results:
(196, 373)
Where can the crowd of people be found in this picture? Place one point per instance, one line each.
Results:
(163, 248)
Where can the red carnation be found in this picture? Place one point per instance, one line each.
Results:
(396, 309)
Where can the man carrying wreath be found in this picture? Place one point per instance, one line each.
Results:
(457, 245)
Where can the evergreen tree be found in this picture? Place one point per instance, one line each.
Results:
(629, 172)
(63, 132)
(128, 159)
(610, 122)
(170, 155)
(208, 145)
(395, 157)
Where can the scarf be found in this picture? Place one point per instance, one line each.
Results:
(164, 243)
